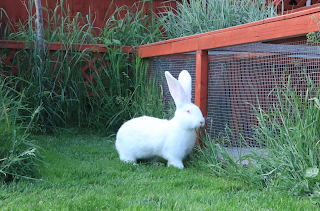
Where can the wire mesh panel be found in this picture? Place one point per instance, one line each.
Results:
(174, 64)
(242, 77)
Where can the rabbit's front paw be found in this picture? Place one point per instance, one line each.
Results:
(177, 164)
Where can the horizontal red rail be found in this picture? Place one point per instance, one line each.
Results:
(290, 25)
(12, 44)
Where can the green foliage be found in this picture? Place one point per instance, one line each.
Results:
(199, 16)
(5, 24)
(57, 87)
(313, 38)
(59, 25)
(124, 91)
(136, 27)
(120, 90)
(19, 158)
(309, 186)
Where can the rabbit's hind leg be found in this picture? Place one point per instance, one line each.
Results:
(154, 161)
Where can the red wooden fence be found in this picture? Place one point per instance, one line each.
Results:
(100, 9)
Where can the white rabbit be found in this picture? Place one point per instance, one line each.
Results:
(148, 137)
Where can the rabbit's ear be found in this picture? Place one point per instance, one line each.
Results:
(177, 91)
(185, 81)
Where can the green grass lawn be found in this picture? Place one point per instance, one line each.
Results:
(85, 173)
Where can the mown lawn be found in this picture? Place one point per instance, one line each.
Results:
(85, 173)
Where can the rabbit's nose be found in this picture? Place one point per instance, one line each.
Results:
(202, 123)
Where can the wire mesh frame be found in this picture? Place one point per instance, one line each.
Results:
(241, 77)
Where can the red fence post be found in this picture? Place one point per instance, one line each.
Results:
(201, 87)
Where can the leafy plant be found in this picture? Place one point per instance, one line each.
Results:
(309, 187)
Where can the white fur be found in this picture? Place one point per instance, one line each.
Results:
(148, 137)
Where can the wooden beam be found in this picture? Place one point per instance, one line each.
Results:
(290, 25)
(12, 44)
(201, 87)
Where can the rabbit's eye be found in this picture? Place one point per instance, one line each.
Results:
(188, 111)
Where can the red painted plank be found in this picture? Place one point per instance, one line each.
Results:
(12, 44)
(201, 86)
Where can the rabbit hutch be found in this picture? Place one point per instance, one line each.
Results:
(235, 69)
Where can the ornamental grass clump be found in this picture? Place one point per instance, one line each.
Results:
(133, 26)
(19, 158)
(123, 91)
(199, 16)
